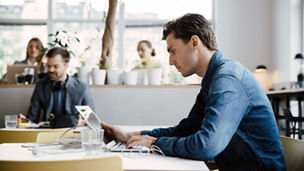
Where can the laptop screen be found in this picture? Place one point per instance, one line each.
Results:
(89, 116)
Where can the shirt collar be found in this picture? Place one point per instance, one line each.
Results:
(67, 82)
(211, 68)
(30, 63)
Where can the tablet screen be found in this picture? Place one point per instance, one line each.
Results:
(89, 116)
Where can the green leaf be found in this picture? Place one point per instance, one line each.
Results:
(60, 44)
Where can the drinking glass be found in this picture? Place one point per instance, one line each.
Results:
(10, 121)
(91, 140)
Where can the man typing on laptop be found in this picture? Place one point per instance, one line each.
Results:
(231, 122)
(58, 93)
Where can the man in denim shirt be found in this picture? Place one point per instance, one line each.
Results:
(231, 121)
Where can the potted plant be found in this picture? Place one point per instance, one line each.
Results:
(141, 72)
(84, 73)
(130, 77)
(114, 75)
(98, 76)
(154, 72)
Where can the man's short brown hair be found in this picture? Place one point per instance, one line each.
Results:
(59, 51)
(187, 26)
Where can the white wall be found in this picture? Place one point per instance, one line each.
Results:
(244, 31)
(281, 41)
(264, 32)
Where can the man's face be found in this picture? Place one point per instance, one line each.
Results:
(56, 68)
(182, 55)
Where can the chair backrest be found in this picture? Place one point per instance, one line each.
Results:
(47, 137)
(23, 135)
(287, 114)
(294, 153)
(113, 163)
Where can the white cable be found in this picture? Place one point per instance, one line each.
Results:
(155, 148)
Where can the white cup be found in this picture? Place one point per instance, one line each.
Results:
(91, 140)
(10, 121)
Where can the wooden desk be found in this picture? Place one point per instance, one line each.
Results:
(131, 161)
(277, 96)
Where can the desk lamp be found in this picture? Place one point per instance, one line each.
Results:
(261, 75)
(300, 77)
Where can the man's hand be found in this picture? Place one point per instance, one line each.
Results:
(144, 140)
(22, 120)
(80, 122)
(116, 133)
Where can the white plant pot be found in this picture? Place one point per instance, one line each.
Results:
(84, 74)
(99, 76)
(154, 76)
(114, 76)
(130, 78)
(142, 77)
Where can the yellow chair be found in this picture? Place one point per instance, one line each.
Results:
(23, 135)
(110, 163)
(48, 137)
(294, 153)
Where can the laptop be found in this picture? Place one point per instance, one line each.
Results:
(12, 70)
(93, 122)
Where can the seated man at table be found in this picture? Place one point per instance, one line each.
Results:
(58, 93)
(231, 122)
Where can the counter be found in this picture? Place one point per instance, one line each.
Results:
(118, 104)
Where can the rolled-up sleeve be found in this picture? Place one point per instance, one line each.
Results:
(226, 104)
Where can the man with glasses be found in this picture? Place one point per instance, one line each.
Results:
(58, 93)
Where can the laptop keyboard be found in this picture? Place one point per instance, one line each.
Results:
(120, 147)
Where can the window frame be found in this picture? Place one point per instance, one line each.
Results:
(121, 24)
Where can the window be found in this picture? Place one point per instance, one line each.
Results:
(136, 20)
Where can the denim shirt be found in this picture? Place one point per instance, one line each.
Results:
(231, 122)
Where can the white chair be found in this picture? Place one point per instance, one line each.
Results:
(294, 153)
(110, 163)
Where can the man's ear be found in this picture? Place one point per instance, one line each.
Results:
(194, 41)
(66, 65)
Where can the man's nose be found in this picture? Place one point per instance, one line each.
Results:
(171, 61)
(51, 69)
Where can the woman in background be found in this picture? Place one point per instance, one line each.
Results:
(149, 60)
(145, 51)
(33, 53)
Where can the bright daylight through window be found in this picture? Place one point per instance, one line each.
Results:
(136, 20)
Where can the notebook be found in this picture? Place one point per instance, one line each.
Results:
(12, 70)
(93, 122)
